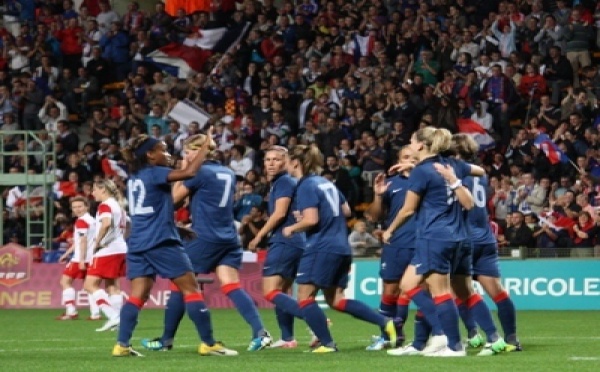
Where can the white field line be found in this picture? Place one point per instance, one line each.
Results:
(587, 359)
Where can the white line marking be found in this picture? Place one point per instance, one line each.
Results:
(585, 358)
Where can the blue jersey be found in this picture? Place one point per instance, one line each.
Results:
(284, 186)
(439, 216)
(331, 233)
(478, 223)
(211, 205)
(393, 199)
(151, 209)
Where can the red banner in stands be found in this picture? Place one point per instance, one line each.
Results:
(28, 285)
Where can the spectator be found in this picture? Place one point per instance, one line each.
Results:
(362, 243)
(245, 199)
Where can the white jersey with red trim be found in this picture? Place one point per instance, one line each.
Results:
(114, 240)
(85, 227)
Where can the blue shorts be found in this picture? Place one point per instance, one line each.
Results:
(169, 262)
(434, 256)
(207, 257)
(463, 261)
(485, 260)
(394, 262)
(324, 270)
(282, 260)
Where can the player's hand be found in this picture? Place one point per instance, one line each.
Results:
(400, 167)
(254, 243)
(287, 231)
(206, 146)
(385, 237)
(186, 233)
(380, 185)
(62, 258)
(297, 215)
(82, 266)
(446, 171)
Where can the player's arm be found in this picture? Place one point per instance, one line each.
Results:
(411, 203)
(380, 186)
(64, 256)
(346, 210)
(82, 249)
(179, 192)
(105, 223)
(189, 170)
(310, 217)
(455, 184)
(476, 170)
(282, 206)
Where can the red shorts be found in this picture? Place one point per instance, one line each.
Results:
(108, 267)
(73, 271)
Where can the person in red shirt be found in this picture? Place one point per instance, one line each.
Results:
(70, 44)
(533, 85)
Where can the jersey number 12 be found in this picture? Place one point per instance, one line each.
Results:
(136, 191)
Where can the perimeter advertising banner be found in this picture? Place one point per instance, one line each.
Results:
(533, 284)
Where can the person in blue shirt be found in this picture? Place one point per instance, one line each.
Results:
(249, 199)
(154, 245)
(389, 195)
(327, 257)
(217, 246)
(284, 254)
(482, 265)
(437, 206)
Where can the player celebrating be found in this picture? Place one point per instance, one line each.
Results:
(284, 254)
(395, 257)
(216, 248)
(109, 252)
(82, 249)
(327, 258)
(484, 266)
(155, 245)
(441, 231)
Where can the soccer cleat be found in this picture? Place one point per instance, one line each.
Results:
(68, 317)
(155, 344)
(476, 341)
(94, 318)
(260, 342)
(378, 344)
(496, 348)
(218, 349)
(325, 349)
(284, 344)
(408, 350)
(446, 353)
(435, 344)
(314, 340)
(513, 347)
(110, 325)
(392, 332)
(123, 351)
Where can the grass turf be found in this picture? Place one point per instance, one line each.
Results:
(33, 341)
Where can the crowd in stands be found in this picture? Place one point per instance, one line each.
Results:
(301, 75)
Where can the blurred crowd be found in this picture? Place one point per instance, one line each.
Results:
(357, 78)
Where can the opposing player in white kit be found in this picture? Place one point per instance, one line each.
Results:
(83, 244)
(109, 252)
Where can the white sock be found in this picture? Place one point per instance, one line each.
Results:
(101, 298)
(68, 299)
(116, 301)
(94, 309)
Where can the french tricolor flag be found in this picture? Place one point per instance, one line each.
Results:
(479, 134)
(553, 153)
(183, 59)
(65, 189)
(112, 168)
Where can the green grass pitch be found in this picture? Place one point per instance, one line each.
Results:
(33, 341)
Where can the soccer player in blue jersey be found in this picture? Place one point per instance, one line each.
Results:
(217, 246)
(327, 257)
(155, 246)
(485, 268)
(284, 254)
(440, 231)
(395, 257)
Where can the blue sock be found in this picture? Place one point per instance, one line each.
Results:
(402, 308)
(129, 319)
(361, 311)
(199, 314)
(387, 308)
(448, 315)
(284, 302)
(285, 321)
(481, 313)
(317, 321)
(246, 307)
(426, 305)
(467, 318)
(508, 316)
(422, 331)
(174, 311)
